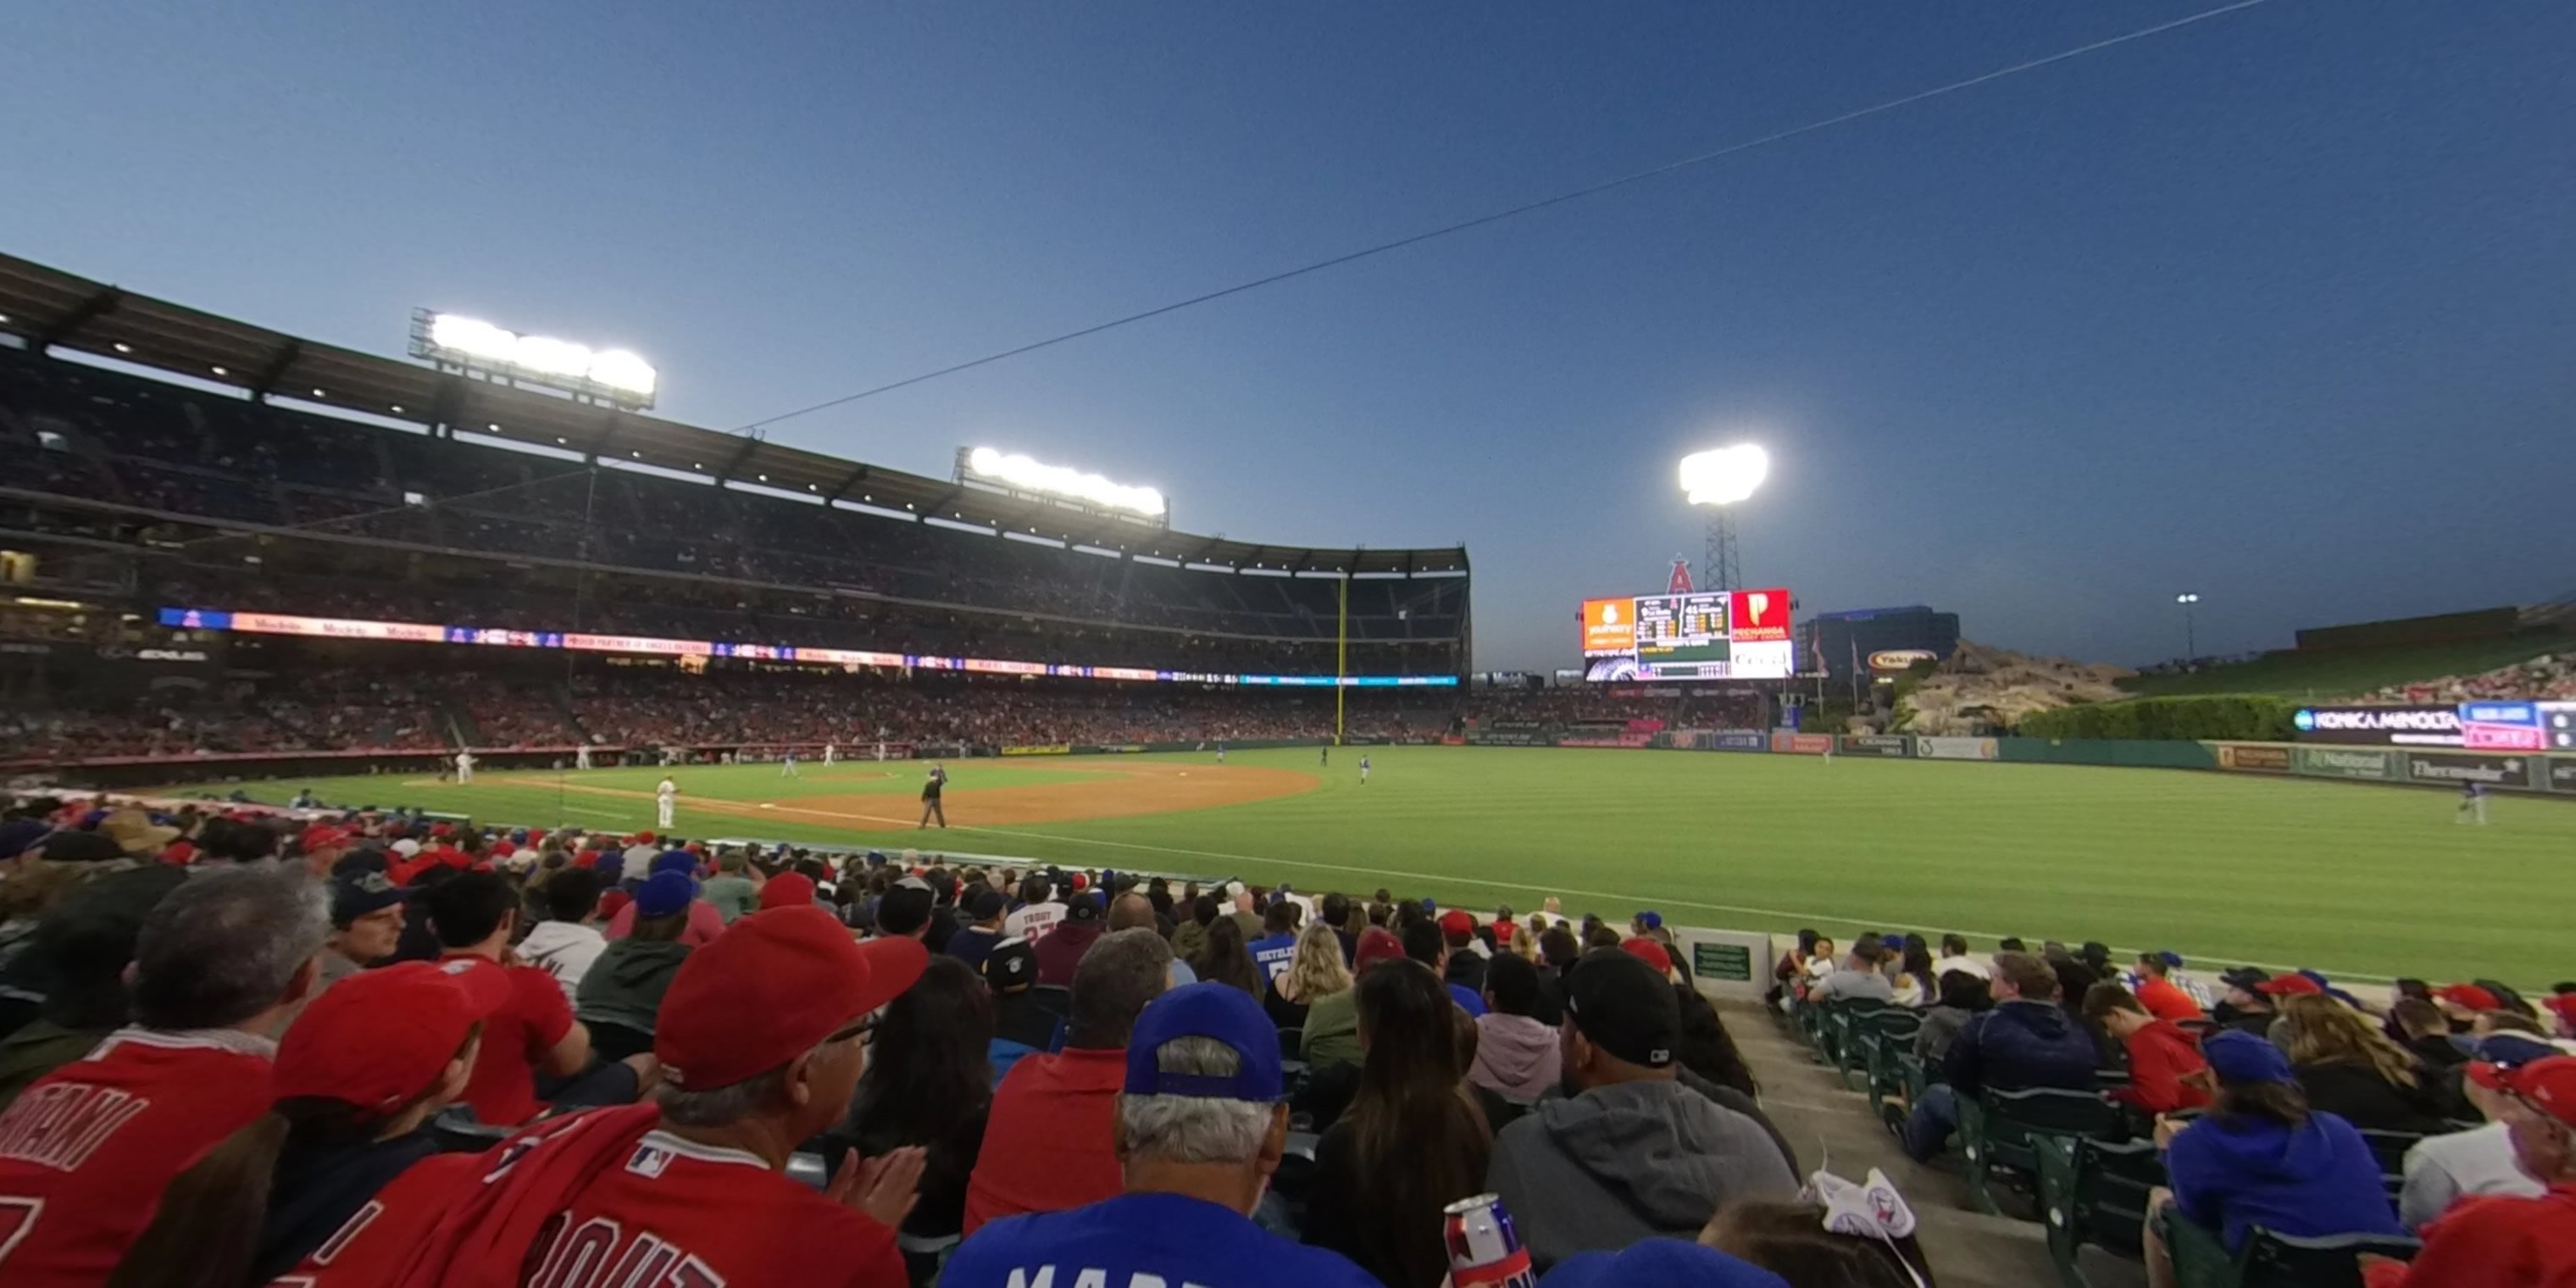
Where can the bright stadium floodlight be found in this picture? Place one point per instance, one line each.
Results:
(1718, 479)
(2190, 642)
(473, 344)
(1022, 474)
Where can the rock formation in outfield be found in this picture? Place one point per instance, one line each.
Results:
(1982, 690)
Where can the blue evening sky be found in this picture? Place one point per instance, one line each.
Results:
(2279, 307)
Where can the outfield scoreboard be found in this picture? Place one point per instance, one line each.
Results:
(1703, 635)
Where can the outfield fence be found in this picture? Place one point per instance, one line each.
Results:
(2523, 772)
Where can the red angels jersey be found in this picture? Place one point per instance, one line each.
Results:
(687, 1215)
(87, 1150)
(380, 1239)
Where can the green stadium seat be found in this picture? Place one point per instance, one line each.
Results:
(1887, 1048)
(2094, 1192)
(1871, 1034)
(2270, 1260)
(1998, 1128)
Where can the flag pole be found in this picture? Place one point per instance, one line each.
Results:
(1341, 654)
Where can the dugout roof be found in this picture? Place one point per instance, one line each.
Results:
(50, 308)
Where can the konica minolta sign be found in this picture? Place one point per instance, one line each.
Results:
(2403, 726)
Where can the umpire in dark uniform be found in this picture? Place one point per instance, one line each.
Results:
(930, 806)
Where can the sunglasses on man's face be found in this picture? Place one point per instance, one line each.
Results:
(864, 1029)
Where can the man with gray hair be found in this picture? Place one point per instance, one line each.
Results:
(221, 963)
(1201, 1123)
(1052, 1115)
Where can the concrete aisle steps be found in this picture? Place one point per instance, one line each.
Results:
(1819, 1115)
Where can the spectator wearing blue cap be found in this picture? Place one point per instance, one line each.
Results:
(621, 994)
(704, 923)
(2262, 1157)
(1201, 1125)
(2442, 1170)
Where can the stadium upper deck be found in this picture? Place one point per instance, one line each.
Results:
(529, 509)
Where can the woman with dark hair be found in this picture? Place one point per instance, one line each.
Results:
(2262, 1157)
(1914, 982)
(1962, 996)
(1223, 958)
(929, 1082)
(1790, 1240)
(1412, 1141)
(257, 1204)
(1707, 1049)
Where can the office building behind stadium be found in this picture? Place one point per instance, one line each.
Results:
(1876, 641)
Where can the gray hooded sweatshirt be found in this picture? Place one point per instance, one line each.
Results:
(1626, 1162)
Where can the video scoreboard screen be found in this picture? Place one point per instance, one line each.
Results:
(1706, 635)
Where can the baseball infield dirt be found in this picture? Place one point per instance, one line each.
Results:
(1124, 790)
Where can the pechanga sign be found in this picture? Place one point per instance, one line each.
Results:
(2400, 726)
(2256, 757)
(1877, 744)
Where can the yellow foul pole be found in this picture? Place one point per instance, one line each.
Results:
(1341, 655)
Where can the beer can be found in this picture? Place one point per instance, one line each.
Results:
(1484, 1247)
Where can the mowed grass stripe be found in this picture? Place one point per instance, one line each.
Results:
(2350, 879)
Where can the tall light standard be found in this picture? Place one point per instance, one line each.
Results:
(1718, 479)
(2187, 599)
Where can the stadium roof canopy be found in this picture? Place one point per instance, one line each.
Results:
(51, 308)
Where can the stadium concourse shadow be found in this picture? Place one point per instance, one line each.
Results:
(1827, 1122)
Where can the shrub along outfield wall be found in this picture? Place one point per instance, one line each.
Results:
(2502, 771)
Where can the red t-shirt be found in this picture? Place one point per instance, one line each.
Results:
(503, 1090)
(86, 1151)
(2160, 1056)
(2493, 1241)
(663, 1211)
(2165, 1001)
(1051, 1141)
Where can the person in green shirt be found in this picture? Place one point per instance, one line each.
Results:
(732, 891)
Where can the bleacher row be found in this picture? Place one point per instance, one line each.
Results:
(2080, 1164)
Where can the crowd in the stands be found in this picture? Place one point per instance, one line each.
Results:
(2550, 676)
(2279, 1101)
(373, 1048)
(124, 440)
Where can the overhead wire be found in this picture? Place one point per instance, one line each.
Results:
(1510, 212)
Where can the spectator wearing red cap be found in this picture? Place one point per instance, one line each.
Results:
(475, 915)
(762, 1040)
(2462, 1004)
(2348, 1067)
(219, 964)
(787, 890)
(2443, 1170)
(358, 1077)
(1057, 1111)
(1426, 943)
(2505, 1240)
(1465, 966)
(2166, 1073)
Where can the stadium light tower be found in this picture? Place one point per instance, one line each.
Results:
(2187, 599)
(1719, 479)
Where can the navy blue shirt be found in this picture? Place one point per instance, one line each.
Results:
(1177, 1239)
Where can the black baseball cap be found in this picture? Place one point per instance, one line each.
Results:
(987, 904)
(1081, 907)
(1621, 1005)
(1012, 965)
(360, 893)
(2248, 978)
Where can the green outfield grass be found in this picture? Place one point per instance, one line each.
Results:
(2352, 880)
